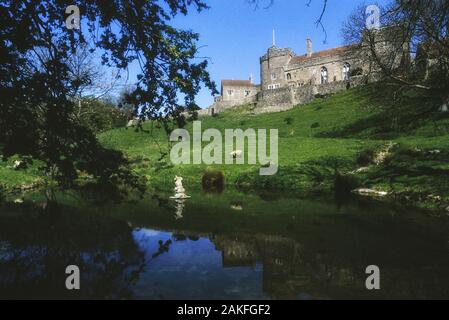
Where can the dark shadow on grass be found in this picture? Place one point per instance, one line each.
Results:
(391, 117)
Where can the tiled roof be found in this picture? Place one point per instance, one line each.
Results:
(237, 83)
(320, 54)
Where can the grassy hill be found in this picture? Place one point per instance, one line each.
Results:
(321, 144)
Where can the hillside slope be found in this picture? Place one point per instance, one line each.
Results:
(401, 146)
(358, 138)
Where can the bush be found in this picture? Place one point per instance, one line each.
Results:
(213, 181)
(100, 116)
(365, 158)
(288, 121)
(2, 193)
(344, 184)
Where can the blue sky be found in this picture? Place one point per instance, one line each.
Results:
(234, 35)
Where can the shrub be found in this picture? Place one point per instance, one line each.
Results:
(344, 184)
(2, 193)
(213, 181)
(366, 157)
(100, 116)
(288, 121)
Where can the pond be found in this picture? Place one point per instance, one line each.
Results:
(221, 246)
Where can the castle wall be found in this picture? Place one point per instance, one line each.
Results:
(309, 72)
(220, 105)
(283, 99)
(288, 80)
(275, 100)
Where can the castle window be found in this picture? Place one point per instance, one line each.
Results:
(289, 76)
(247, 92)
(230, 92)
(273, 76)
(346, 69)
(324, 75)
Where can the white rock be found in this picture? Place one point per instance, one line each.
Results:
(370, 192)
(18, 200)
(360, 170)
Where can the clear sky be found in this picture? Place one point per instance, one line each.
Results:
(234, 34)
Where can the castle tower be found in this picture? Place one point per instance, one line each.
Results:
(272, 67)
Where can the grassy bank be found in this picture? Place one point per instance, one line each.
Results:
(321, 146)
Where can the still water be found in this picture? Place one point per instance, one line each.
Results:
(225, 246)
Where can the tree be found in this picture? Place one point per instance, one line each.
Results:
(418, 36)
(100, 115)
(37, 83)
(90, 81)
(319, 22)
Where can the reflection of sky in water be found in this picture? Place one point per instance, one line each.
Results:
(191, 269)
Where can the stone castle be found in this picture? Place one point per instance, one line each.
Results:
(288, 79)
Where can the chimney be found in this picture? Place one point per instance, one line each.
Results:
(309, 47)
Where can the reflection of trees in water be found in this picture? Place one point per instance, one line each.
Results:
(293, 269)
(163, 248)
(36, 250)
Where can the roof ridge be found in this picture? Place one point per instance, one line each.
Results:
(322, 53)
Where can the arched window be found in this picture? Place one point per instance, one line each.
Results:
(289, 76)
(324, 75)
(346, 69)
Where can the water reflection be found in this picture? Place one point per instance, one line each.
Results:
(239, 266)
(286, 248)
(36, 249)
(192, 269)
(179, 208)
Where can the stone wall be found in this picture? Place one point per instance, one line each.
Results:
(286, 98)
(275, 100)
(309, 71)
(282, 99)
(221, 105)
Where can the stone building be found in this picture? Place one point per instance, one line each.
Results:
(288, 79)
(281, 67)
(235, 92)
(232, 90)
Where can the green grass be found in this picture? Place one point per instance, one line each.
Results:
(314, 140)
(18, 179)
